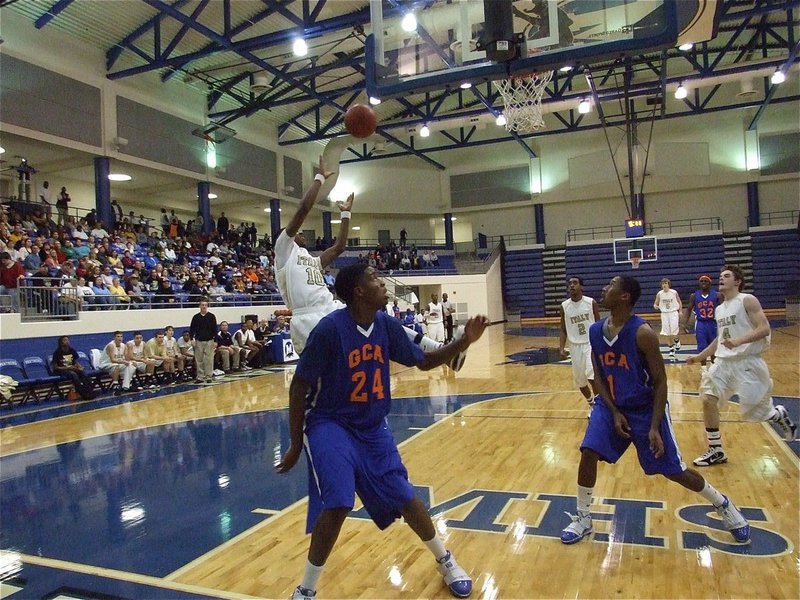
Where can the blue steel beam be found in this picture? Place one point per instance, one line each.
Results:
(773, 88)
(52, 13)
(116, 50)
(181, 32)
(759, 10)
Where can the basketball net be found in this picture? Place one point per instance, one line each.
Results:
(522, 97)
(635, 260)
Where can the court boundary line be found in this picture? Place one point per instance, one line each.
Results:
(131, 577)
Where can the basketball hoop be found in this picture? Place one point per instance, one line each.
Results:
(635, 260)
(522, 97)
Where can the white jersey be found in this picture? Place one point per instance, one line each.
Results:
(434, 315)
(733, 322)
(169, 344)
(299, 276)
(117, 351)
(137, 352)
(577, 318)
(668, 301)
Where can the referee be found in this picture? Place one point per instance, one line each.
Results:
(202, 331)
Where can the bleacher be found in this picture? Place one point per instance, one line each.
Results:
(775, 264)
(523, 277)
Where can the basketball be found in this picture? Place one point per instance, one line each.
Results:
(360, 121)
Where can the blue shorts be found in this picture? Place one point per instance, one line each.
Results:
(342, 464)
(705, 332)
(603, 439)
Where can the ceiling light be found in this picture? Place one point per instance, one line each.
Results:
(211, 156)
(409, 22)
(451, 218)
(466, 85)
(2, 149)
(374, 101)
(501, 120)
(356, 228)
(300, 48)
(566, 68)
(335, 221)
(778, 77)
(212, 196)
(686, 47)
(681, 92)
(268, 209)
(584, 107)
(424, 131)
(119, 177)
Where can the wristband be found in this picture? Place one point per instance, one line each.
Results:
(319, 177)
(345, 214)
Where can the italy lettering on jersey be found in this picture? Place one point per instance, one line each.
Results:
(668, 300)
(704, 305)
(348, 368)
(621, 365)
(733, 322)
(299, 275)
(578, 316)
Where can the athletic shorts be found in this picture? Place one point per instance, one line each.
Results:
(436, 331)
(745, 376)
(341, 464)
(303, 324)
(140, 366)
(669, 323)
(582, 369)
(705, 332)
(603, 439)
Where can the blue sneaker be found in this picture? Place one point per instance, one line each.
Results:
(456, 578)
(580, 527)
(734, 521)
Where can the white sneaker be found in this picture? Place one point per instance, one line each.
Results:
(456, 578)
(786, 423)
(301, 593)
(580, 527)
(734, 521)
(712, 456)
(458, 360)
(678, 345)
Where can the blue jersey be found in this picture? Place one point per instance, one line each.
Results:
(704, 305)
(348, 368)
(621, 366)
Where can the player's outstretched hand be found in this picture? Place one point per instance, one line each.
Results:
(691, 360)
(323, 169)
(289, 459)
(656, 443)
(475, 327)
(347, 204)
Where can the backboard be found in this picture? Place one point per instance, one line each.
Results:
(645, 247)
(444, 48)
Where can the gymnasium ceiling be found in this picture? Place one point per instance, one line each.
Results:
(217, 46)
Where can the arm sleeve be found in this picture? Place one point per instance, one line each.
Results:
(402, 349)
(320, 352)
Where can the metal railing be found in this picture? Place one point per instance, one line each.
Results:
(657, 227)
(47, 303)
(778, 217)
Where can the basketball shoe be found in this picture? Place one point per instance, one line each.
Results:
(712, 456)
(734, 521)
(580, 527)
(301, 593)
(785, 423)
(456, 578)
(458, 360)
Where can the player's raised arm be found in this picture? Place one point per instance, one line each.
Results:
(331, 253)
(309, 199)
(473, 330)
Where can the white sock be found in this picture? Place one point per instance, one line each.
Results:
(311, 576)
(584, 498)
(710, 493)
(436, 546)
(774, 415)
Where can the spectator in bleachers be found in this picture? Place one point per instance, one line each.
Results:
(135, 290)
(81, 249)
(118, 292)
(280, 325)
(157, 351)
(114, 360)
(45, 198)
(165, 221)
(91, 219)
(222, 226)
(426, 259)
(403, 236)
(165, 294)
(85, 293)
(62, 206)
(10, 273)
(66, 364)
(102, 296)
(79, 234)
(434, 258)
(228, 352)
(98, 233)
(33, 261)
(139, 357)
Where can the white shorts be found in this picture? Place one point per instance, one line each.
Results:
(140, 366)
(748, 377)
(582, 369)
(669, 323)
(436, 331)
(303, 324)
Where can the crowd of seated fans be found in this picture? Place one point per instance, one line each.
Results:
(128, 264)
(399, 258)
